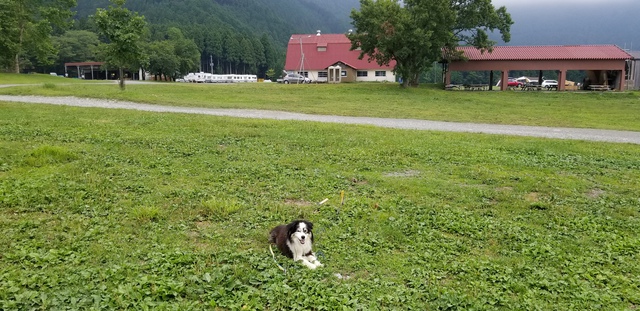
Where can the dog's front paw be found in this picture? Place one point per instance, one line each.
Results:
(310, 265)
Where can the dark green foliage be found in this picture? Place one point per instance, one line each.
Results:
(176, 56)
(123, 30)
(25, 31)
(415, 33)
(276, 18)
(237, 36)
(76, 46)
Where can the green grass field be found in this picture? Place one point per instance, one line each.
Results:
(609, 110)
(111, 209)
(11, 78)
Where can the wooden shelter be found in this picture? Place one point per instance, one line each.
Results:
(605, 64)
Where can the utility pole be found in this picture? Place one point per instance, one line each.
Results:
(211, 62)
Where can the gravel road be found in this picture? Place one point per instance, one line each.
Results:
(411, 124)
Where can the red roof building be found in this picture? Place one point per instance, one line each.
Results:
(605, 64)
(313, 55)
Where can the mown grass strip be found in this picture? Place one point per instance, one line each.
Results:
(609, 110)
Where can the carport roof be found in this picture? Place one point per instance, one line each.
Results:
(550, 52)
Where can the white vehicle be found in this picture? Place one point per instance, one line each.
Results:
(549, 84)
(295, 78)
(201, 77)
(195, 77)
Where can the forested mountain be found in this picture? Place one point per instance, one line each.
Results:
(235, 36)
(276, 18)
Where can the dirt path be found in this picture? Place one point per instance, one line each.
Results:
(410, 124)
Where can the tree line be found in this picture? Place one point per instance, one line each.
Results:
(46, 37)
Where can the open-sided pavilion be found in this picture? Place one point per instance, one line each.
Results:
(605, 64)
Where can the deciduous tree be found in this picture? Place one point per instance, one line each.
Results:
(123, 29)
(174, 56)
(26, 27)
(76, 46)
(415, 34)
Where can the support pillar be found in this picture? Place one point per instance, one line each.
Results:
(623, 81)
(562, 78)
(504, 81)
(491, 80)
(540, 77)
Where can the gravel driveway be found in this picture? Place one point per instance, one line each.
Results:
(412, 124)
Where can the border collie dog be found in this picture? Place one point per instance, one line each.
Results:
(295, 241)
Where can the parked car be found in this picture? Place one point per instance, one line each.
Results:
(295, 78)
(514, 83)
(524, 81)
(511, 83)
(550, 83)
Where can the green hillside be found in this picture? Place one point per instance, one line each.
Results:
(234, 36)
(276, 18)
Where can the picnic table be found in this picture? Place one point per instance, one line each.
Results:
(454, 87)
(531, 87)
(476, 87)
(467, 87)
(596, 87)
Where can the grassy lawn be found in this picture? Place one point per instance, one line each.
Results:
(110, 209)
(609, 110)
(12, 78)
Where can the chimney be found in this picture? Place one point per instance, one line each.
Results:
(318, 32)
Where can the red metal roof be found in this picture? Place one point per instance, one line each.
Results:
(336, 48)
(552, 52)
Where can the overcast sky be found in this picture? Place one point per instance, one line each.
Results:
(509, 3)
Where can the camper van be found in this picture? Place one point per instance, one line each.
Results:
(195, 77)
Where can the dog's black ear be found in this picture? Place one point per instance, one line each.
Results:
(309, 225)
(291, 228)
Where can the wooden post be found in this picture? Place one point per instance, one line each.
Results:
(504, 82)
(491, 80)
(562, 77)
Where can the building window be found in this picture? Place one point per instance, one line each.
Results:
(322, 49)
(381, 73)
(304, 73)
(362, 73)
(322, 74)
(344, 73)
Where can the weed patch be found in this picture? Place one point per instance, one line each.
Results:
(48, 155)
